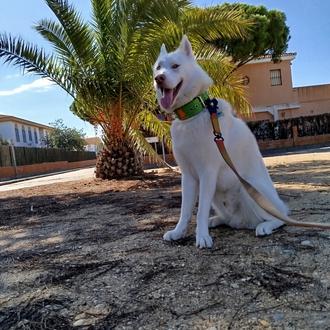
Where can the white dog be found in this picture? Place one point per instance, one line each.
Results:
(178, 80)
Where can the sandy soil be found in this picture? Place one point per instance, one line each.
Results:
(89, 255)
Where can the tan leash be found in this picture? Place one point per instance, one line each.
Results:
(262, 201)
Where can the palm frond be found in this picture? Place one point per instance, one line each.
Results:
(213, 24)
(101, 22)
(157, 127)
(56, 35)
(77, 31)
(30, 58)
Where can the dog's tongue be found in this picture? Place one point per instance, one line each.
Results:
(167, 99)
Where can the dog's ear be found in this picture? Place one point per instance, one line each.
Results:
(163, 50)
(185, 46)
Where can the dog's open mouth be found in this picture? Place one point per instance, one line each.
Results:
(169, 95)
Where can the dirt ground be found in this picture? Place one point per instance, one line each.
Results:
(89, 255)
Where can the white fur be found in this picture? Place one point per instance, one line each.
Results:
(205, 175)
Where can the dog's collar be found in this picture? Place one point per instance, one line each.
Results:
(192, 108)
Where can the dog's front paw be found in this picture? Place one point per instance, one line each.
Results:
(173, 235)
(204, 241)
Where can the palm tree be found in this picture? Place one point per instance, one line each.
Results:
(105, 66)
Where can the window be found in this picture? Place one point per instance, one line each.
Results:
(41, 133)
(24, 134)
(30, 134)
(42, 136)
(275, 77)
(17, 133)
(35, 136)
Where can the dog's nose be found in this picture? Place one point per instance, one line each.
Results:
(160, 79)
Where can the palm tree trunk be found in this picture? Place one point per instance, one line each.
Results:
(118, 159)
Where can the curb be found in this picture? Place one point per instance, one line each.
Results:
(3, 183)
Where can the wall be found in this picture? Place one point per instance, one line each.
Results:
(288, 113)
(258, 116)
(7, 173)
(313, 99)
(295, 142)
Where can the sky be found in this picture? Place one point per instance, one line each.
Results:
(36, 99)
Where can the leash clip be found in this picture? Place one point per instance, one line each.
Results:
(218, 136)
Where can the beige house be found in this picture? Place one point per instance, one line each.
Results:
(272, 95)
(93, 144)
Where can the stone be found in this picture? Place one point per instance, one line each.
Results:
(82, 322)
(306, 243)
(264, 323)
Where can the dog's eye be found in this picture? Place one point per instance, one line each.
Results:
(158, 67)
(175, 66)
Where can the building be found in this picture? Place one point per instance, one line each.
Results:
(272, 96)
(93, 144)
(23, 133)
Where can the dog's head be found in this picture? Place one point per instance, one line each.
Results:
(177, 77)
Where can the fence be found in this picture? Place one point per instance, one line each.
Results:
(283, 129)
(29, 156)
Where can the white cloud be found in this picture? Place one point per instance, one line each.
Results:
(38, 85)
(12, 76)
